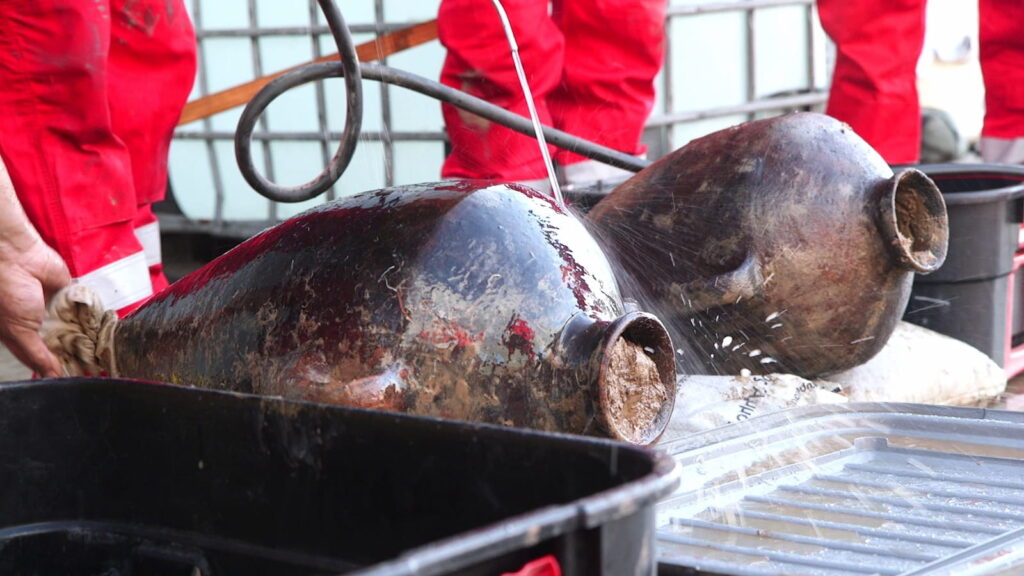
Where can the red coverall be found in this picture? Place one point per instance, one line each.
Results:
(90, 92)
(590, 65)
(874, 86)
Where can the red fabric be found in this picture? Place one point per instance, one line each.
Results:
(91, 92)
(874, 86)
(590, 65)
(1001, 36)
(152, 66)
(543, 566)
(878, 43)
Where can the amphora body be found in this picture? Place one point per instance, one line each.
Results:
(780, 245)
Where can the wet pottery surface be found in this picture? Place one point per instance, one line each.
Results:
(780, 245)
(455, 300)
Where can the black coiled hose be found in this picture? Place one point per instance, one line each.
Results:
(353, 72)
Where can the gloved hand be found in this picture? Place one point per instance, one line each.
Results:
(30, 271)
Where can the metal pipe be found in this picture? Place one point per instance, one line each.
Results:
(211, 150)
(501, 116)
(323, 70)
(352, 71)
(385, 108)
(257, 62)
(750, 35)
(348, 68)
(321, 98)
(305, 136)
(777, 103)
(313, 29)
(692, 9)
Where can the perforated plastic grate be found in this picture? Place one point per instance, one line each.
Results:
(870, 493)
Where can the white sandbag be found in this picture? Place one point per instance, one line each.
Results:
(705, 402)
(920, 365)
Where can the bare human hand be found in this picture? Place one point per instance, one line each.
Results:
(30, 272)
(28, 277)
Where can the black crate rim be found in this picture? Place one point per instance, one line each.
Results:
(1012, 173)
(448, 555)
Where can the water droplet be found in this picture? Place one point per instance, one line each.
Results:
(745, 373)
(767, 360)
(754, 353)
(726, 341)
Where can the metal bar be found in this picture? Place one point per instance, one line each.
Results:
(175, 223)
(811, 52)
(667, 130)
(784, 557)
(665, 124)
(257, 64)
(313, 29)
(310, 136)
(321, 99)
(911, 520)
(716, 7)
(385, 107)
(827, 544)
(775, 103)
(859, 529)
(751, 40)
(938, 476)
(211, 151)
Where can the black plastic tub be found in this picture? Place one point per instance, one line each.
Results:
(985, 207)
(967, 298)
(118, 478)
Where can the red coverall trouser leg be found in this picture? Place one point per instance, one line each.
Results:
(1001, 39)
(91, 93)
(590, 64)
(874, 85)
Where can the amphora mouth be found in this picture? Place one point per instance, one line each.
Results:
(914, 222)
(636, 379)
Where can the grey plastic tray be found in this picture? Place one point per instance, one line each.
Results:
(849, 489)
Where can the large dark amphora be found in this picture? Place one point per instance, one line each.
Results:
(455, 300)
(781, 245)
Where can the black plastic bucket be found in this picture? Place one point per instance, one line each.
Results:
(129, 478)
(967, 298)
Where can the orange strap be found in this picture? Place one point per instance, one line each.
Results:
(376, 49)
